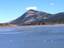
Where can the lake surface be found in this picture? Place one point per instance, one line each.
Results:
(32, 37)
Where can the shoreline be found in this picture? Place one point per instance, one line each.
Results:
(54, 25)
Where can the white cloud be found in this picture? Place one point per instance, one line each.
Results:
(31, 7)
(52, 4)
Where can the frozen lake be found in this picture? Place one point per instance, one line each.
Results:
(32, 37)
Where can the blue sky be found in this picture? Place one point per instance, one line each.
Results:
(11, 9)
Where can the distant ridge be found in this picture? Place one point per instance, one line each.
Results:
(57, 18)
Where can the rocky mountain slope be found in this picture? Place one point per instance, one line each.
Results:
(33, 16)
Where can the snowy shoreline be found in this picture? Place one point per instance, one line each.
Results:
(54, 25)
(29, 26)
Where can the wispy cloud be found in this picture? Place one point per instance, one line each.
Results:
(52, 3)
(31, 7)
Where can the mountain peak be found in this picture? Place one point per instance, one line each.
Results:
(32, 10)
(29, 17)
(34, 16)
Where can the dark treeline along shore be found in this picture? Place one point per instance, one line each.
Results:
(33, 17)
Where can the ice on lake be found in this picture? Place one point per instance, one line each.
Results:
(32, 37)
